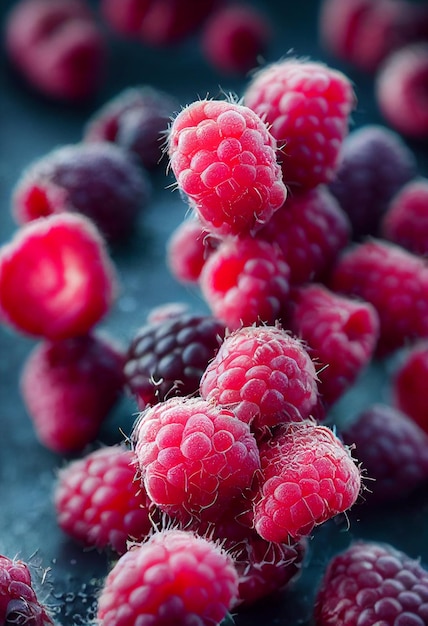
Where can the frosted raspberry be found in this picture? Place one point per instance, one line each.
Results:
(307, 107)
(372, 583)
(375, 163)
(69, 386)
(167, 358)
(392, 450)
(406, 219)
(224, 160)
(101, 181)
(409, 383)
(310, 230)
(265, 375)
(340, 333)
(244, 281)
(307, 477)
(394, 281)
(194, 457)
(67, 282)
(188, 248)
(18, 600)
(100, 502)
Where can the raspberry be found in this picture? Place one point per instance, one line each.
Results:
(340, 333)
(392, 450)
(375, 164)
(99, 501)
(310, 230)
(400, 90)
(58, 47)
(194, 457)
(307, 477)
(100, 181)
(168, 357)
(306, 106)
(224, 160)
(174, 578)
(409, 383)
(394, 281)
(69, 386)
(67, 281)
(18, 600)
(264, 375)
(188, 248)
(244, 281)
(406, 219)
(372, 583)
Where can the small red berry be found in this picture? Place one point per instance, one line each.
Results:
(409, 383)
(188, 247)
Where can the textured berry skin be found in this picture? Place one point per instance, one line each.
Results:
(406, 219)
(168, 357)
(18, 600)
(372, 583)
(264, 375)
(409, 383)
(245, 281)
(394, 281)
(67, 281)
(174, 578)
(194, 457)
(224, 160)
(375, 163)
(392, 450)
(310, 230)
(101, 181)
(340, 333)
(58, 47)
(307, 107)
(307, 477)
(188, 247)
(100, 502)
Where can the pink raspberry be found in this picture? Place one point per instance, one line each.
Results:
(245, 281)
(264, 375)
(56, 278)
(341, 335)
(372, 583)
(307, 477)
(307, 107)
(194, 457)
(100, 502)
(394, 281)
(175, 578)
(188, 247)
(69, 387)
(392, 451)
(409, 383)
(18, 600)
(406, 219)
(224, 160)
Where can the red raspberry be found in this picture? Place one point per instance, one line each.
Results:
(307, 477)
(69, 386)
(394, 281)
(340, 333)
(310, 230)
(400, 90)
(264, 375)
(188, 248)
(409, 383)
(375, 164)
(168, 357)
(101, 181)
(175, 578)
(58, 47)
(224, 160)
(18, 600)
(67, 281)
(99, 501)
(392, 450)
(306, 106)
(244, 281)
(371, 583)
(406, 219)
(194, 457)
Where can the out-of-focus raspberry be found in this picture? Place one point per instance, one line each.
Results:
(409, 383)
(307, 106)
(188, 247)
